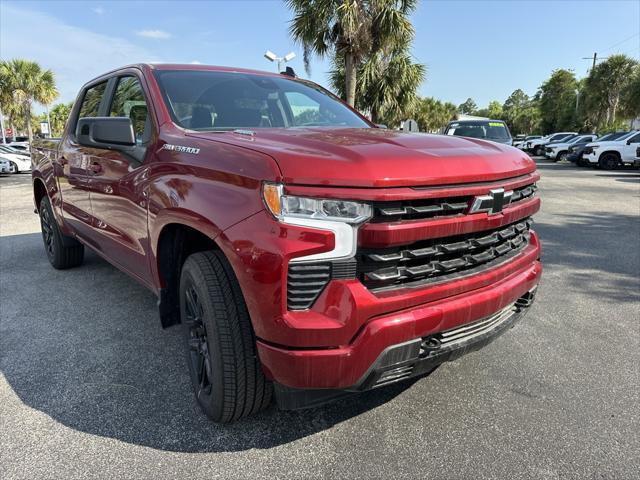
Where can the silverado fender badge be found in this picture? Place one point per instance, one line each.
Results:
(492, 203)
(180, 148)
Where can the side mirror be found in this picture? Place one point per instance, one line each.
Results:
(113, 133)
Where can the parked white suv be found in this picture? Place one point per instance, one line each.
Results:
(522, 142)
(537, 146)
(610, 155)
(18, 160)
(559, 150)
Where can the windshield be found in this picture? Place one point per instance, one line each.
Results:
(220, 101)
(611, 136)
(480, 129)
(625, 136)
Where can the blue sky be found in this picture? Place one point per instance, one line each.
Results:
(478, 49)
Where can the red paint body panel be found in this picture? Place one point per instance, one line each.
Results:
(121, 210)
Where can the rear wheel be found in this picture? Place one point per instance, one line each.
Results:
(221, 347)
(609, 161)
(62, 251)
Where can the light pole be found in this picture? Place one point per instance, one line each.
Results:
(280, 61)
(4, 138)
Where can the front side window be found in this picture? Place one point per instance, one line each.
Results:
(91, 102)
(129, 101)
(219, 101)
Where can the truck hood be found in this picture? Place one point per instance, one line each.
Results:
(379, 158)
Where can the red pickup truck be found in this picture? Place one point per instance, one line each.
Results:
(306, 252)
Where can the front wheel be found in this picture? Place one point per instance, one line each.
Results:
(561, 156)
(62, 251)
(609, 161)
(538, 151)
(13, 168)
(221, 347)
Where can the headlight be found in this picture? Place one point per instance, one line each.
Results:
(288, 206)
(593, 147)
(342, 217)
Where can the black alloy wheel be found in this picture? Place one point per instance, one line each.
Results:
(609, 161)
(48, 235)
(197, 344)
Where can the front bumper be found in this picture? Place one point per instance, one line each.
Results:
(416, 357)
(345, 366)
(590, 157)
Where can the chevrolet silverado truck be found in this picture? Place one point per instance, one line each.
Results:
(306, 253)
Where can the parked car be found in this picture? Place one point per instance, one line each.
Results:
(636, 163)
(21, 146)
(522, 142)
(305, 251)
(576, 151)
(19, 162)
(494, 130)
(5, 166)
(558, 151)
(611, 154)
(537, 146)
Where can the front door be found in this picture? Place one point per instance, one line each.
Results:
(629, 149)
(118, 187)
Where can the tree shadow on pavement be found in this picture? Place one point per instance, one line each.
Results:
(599, 251)
(85, 347)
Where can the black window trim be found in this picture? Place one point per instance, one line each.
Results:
(107, 98)
(110, 93)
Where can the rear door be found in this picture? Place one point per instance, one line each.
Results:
(117, 181)
(72, 163)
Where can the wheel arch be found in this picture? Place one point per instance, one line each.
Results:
(175, 241)
(39, 191)
(606, 152)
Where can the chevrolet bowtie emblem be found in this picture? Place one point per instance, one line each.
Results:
(492, 203)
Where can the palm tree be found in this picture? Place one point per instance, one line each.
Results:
(350, 29)
(386, 85)
(25, 82)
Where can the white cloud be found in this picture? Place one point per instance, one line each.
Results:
(157, 34)
(195, 62)
(76, 55)
(98, 10)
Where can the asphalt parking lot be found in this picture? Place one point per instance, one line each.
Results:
(90, 386)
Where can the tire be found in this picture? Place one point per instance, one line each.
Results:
(609, 161)
(13, 168)
(538, 151)
(220, 344)
(561, 156)
(63, 252)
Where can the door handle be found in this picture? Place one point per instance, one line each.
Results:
(95, 167)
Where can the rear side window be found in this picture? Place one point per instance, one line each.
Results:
(91, 101)
(129, 101)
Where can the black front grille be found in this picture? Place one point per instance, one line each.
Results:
(441, 258)
(432, 208)
(305, 281)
